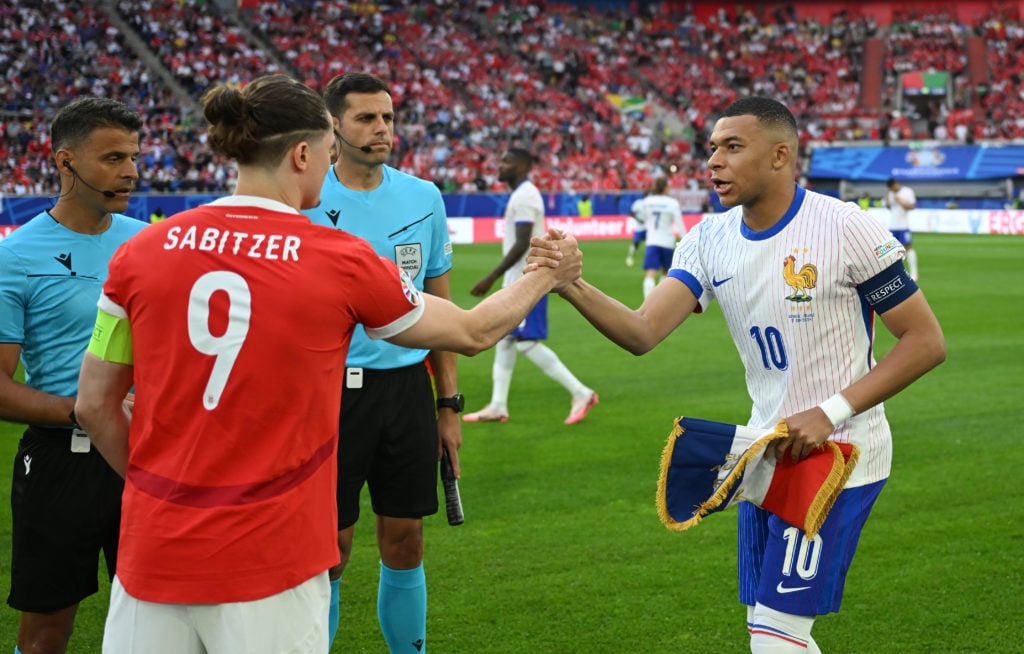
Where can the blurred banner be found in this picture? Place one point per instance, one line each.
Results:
(491, 229)
(921, 162)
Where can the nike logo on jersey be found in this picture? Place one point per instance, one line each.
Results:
(718, 282)
(782, 590)
(333, 215)
(64, 259)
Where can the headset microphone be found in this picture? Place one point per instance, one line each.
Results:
(108, 194)
(364, 148)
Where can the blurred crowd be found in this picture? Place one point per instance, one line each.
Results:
(608, 98)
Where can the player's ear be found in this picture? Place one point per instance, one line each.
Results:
(782, 155)
(300, 155)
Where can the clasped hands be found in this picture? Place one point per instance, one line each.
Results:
(560, 252)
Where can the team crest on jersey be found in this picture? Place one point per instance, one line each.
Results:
(800, 281)
(409, 289)
(409, 257)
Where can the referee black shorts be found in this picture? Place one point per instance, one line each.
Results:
(65, 508)
(388, 441)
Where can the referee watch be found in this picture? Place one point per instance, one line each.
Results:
(456, 403)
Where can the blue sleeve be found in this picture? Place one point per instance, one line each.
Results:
(439, 259)
(12, 297)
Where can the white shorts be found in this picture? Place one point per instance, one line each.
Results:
(291, 622)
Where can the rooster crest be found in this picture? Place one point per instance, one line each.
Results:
(800, 281)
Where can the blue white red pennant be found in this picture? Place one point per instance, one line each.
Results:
(708, 466)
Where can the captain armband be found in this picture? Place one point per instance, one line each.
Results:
(888, 288)
(111, 339)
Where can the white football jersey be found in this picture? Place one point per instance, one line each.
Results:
(900, 216)
(789, 295)
(525, 205)
(636, 214)
(663, 217)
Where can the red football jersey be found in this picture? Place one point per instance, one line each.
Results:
(241, 313)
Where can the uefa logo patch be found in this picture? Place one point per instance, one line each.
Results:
(886, 248)
(409, 257)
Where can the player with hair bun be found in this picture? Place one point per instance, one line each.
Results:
(229, 520)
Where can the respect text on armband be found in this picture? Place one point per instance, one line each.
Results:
(275, 247)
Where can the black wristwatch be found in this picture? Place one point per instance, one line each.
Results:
(456, 403)
(74, 420)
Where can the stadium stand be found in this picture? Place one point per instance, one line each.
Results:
(609, 94)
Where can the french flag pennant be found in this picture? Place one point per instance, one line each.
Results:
(708, 466)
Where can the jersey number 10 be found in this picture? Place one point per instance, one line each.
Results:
(773, 350)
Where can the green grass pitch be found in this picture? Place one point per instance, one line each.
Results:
(562, 551)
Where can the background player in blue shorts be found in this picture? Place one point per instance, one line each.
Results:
(65, 499)
(901, 200)
(799, 277)
(524, 217)
(395, 453)
(663, 219)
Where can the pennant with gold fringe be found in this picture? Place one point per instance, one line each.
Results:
(708, 466)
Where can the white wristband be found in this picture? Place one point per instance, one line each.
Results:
(837, 409)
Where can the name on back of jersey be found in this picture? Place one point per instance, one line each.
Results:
(274, 247)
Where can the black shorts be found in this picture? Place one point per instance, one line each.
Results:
(65, 509)
(388, 440)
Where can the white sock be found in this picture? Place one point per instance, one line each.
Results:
(649, 284)
(546, 359)
(501, 373)
(775, 632)
(912, 262)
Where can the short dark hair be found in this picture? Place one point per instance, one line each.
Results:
(523, 155)
(767, 111)
(245, 123)
(336, 93)
(890, 182)
(76, 121)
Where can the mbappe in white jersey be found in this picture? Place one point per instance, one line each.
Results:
(798, 308)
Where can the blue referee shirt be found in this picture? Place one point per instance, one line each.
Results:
(50, 280)
(404, 220)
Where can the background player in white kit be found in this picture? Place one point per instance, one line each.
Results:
(663, 217)
(901, 200)
(639, 229)
(799, 276)
(524, 218)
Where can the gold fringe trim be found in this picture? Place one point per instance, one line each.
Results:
(722, 491)
(820, 506)
(666, 462)
(757, 449)
(830, 488)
